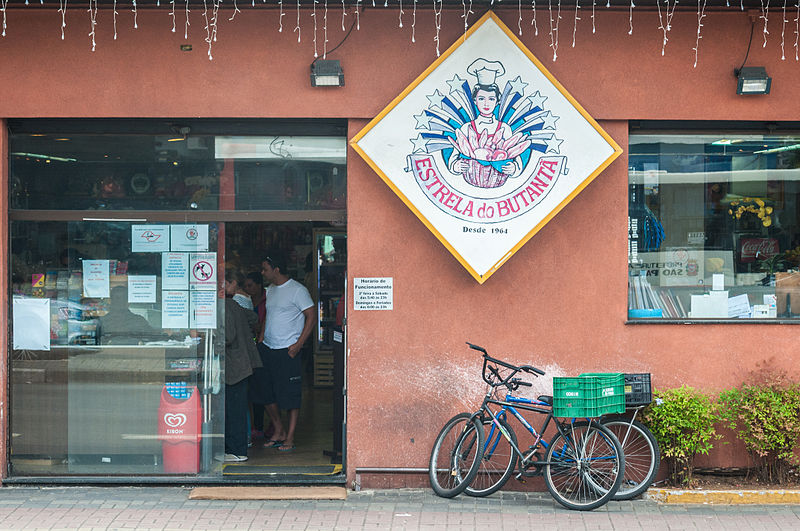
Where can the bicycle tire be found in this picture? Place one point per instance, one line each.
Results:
(496, 463)
(455, 456)
(642, 456)
(585, 466)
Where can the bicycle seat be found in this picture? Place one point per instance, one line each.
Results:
(547, 399)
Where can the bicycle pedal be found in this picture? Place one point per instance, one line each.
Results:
(520, 478)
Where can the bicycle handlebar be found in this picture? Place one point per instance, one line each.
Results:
(509, 381)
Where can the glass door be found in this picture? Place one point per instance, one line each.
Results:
(118, 344)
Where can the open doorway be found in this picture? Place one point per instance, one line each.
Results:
(316, 256)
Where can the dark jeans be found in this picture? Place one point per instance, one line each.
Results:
(236, 418)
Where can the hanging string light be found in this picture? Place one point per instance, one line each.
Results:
(297, 26)
(280, 16)
(62, 9)
(466, 12)
(554, 27)
(797, 31)
(437, 16)
(93, 20)
(665, 22)
(783, 28)
(236, 10)
(630, 17)
(414, 23)
(358, 15)
(3, 4)
(701, 13)
(135, 16)
(594, 2)
(575, 21)
(186, 25)
(519, 19)
(325, 31)
(400, 15)
(314, 16)
(533, 21)
(765, 16)
(171, 13)
(344, 14)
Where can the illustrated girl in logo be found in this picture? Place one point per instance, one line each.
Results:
(482, 153)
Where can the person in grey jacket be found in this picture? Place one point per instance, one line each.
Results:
(241, 356)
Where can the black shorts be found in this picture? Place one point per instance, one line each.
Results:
(260, 388)
(286, 376)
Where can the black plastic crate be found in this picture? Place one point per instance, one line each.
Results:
(637, 389)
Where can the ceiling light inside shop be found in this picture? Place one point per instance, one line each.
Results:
(44, 157)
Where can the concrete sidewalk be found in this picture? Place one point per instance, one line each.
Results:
(170, 508)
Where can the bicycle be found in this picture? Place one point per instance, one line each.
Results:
(583, 464)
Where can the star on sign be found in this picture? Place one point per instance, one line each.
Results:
(553, 145)
(423, 121)
(455, 84)
(549, 120)
(420, 144)
(537, 100)
(435, 99)
(518, 86)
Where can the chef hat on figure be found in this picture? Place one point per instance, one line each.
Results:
(486, 71)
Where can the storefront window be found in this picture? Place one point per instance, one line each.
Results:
(179, 171)
(116, 349)
(714, 226)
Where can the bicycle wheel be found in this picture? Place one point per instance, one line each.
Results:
(584, 466)
(455, 457)
(496, 463)
(642, 456)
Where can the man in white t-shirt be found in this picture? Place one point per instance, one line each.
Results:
(290, 319)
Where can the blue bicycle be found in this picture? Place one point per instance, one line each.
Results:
(583, 464)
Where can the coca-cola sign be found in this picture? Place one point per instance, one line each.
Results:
(750, 248)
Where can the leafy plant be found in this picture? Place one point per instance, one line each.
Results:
(774, 263)
(683, 422)
(765, 414)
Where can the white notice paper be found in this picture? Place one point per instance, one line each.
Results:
(95, 279)
(174, 271)
(203, 309)
(373, 293)
(174, 309)
(203, 271)
(31, 324)
(189, 237)
(739, 306)
(149, 238)
(141, 288)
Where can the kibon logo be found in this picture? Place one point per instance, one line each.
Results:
(174, 420)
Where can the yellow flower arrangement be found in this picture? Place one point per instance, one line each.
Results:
(752, 205)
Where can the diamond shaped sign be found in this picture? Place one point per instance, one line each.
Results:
(485, 147)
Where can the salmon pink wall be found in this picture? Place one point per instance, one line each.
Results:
(260, 72)
(559, 303)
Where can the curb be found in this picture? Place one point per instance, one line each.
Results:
(725, 497)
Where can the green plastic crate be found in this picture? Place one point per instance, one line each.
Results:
(588, 395)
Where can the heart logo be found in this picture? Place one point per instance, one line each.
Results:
(173, 420)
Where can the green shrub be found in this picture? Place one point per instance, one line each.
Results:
(765, 414)
(682, 421)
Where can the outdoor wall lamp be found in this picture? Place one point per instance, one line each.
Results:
(326, 73)
(753, 80)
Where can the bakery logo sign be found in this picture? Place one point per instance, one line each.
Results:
(485, 147)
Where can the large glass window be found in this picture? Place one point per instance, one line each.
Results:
(714, 226)
(170, 167)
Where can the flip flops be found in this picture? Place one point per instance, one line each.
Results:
(283, 448)
(273, 443)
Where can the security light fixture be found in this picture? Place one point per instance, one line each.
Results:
(326, 73)
(753, 80)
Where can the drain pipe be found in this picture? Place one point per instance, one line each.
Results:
(384, 470)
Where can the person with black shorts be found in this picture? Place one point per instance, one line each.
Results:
(288, 324)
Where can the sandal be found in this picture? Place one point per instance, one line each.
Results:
(273, 443)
